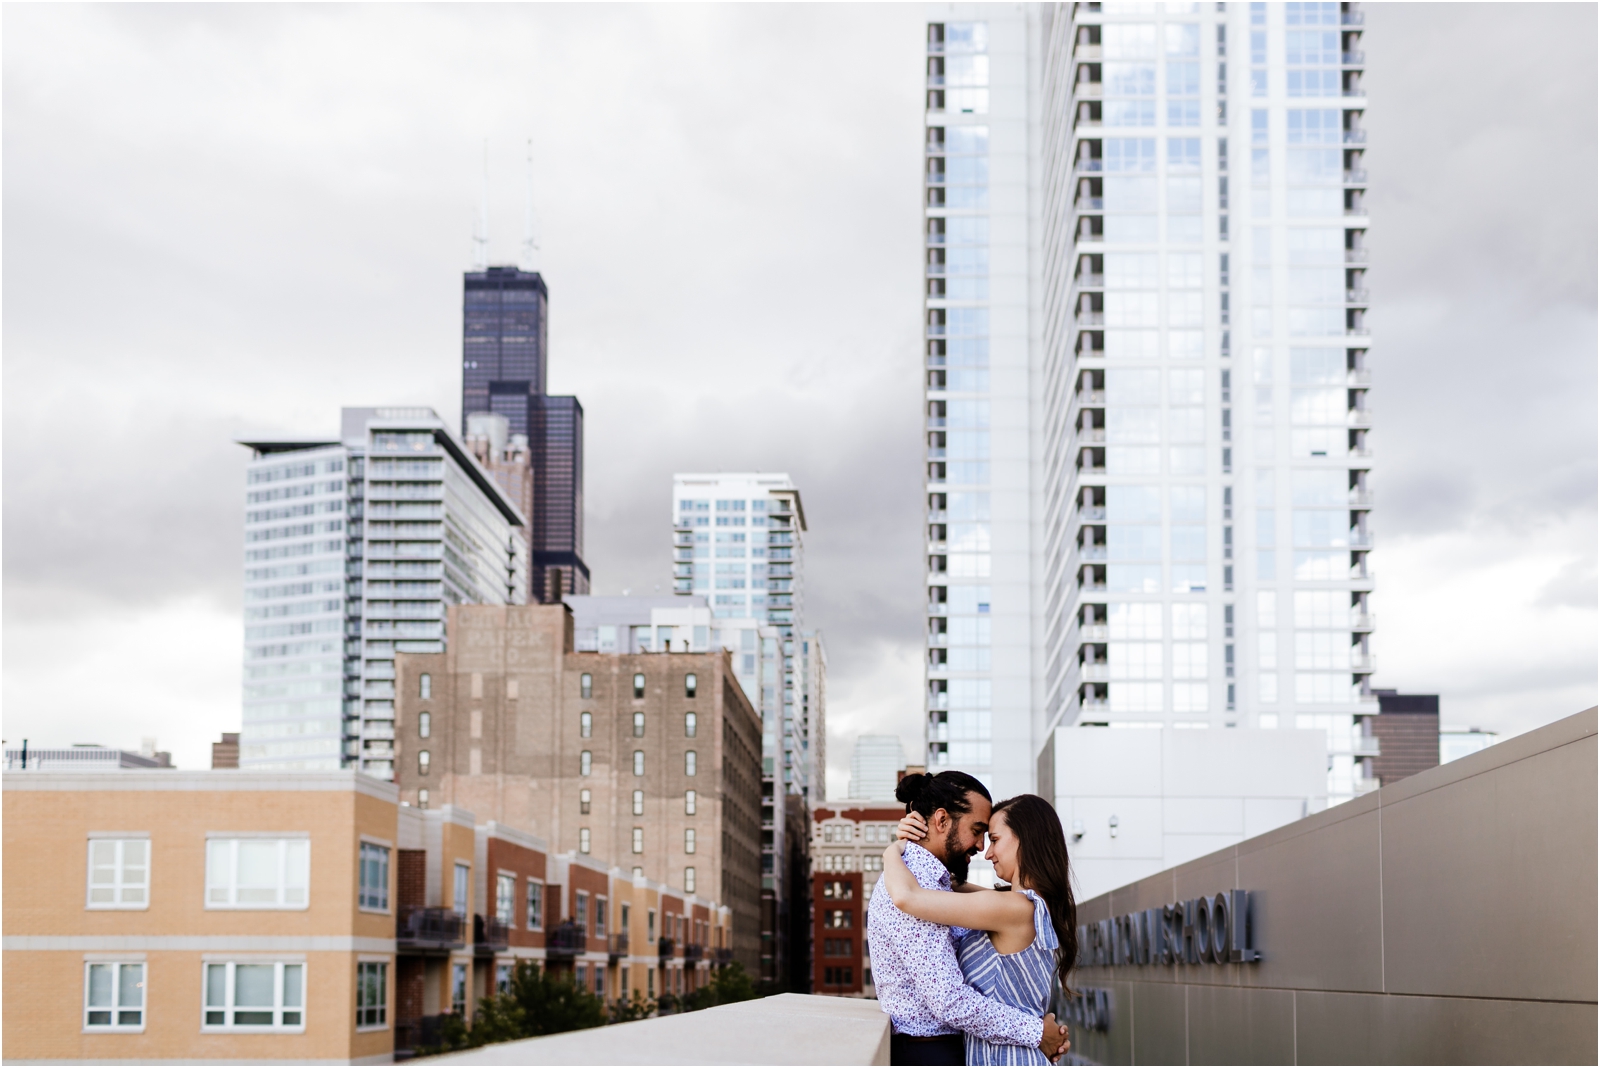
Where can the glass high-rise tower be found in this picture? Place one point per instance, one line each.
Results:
(505, 350)
(1147, 376)
(353, 547)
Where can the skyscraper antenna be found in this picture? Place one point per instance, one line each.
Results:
(480, 238)
(530, 239)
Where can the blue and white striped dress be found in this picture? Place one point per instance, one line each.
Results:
(1024, 980)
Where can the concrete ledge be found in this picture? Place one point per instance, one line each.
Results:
(785, 1029)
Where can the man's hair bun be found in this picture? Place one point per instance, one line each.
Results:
(911, 787)
(925, 794)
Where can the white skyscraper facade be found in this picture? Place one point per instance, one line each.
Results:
(353, 547)
(980, 320)
(1198, 466)
(875, 766)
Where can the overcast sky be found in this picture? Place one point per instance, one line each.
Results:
(224, 220)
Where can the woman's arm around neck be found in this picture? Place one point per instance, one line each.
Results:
(984, 911)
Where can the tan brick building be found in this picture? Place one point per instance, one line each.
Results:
(649, 761)
(207, 916)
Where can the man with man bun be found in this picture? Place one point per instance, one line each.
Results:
(914, 962)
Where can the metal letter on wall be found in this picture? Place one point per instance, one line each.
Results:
(1241, 945)
(1219, 929)
(1201, 930)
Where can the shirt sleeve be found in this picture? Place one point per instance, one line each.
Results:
(952, 1001)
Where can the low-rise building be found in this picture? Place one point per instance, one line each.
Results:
(301, 916)
(847, 843)
(199, 915)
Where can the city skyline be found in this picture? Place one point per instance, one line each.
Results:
(663, 362)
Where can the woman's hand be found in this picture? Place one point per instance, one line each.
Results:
(912, 828)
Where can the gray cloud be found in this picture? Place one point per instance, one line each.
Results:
(225, 221)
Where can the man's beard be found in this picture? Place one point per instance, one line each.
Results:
(956, 860)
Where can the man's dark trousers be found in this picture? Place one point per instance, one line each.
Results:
(937, 1049)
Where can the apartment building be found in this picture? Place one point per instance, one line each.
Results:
(1147, 377)
(306, 916)
(647, 760)
(738, 541)
(847, 843)
(199, 915)
(346, 564)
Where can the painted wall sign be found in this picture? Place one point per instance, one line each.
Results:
(1201, 930)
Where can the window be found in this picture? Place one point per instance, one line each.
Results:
(505, 898)
(258, 873)
(580, 913)
(255, 996)
(585, 762)
(638, 724)
(119, 873)
(425, 686)
(638, 839)
(688, 840)
(458, 989)
(422, 762)
(839, 918)
(627, 912)
(424, 724)
(502, 978)
(422, 799)
(374, 892)
(688, 724)
(650, 925)
(688, 802)
(113, 996)
(638, 802)
(583, 839)
(690, 683)
(586, 685)
(463, 889)
(584, 798)
(535, 905)
(638, 686)
(638, 761)
(600, 904)
(688, 879)
(688, 762)
(372, 992)
(585, 725)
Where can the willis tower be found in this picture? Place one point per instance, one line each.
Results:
(505, 345)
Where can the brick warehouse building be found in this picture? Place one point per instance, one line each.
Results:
(847, 843)
(650, 761)
(1407, 730)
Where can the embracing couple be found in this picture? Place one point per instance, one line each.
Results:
(967, 977)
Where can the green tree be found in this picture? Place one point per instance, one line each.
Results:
(539, 1002)
(551, 1002)
(624, 1010)
(727, 985)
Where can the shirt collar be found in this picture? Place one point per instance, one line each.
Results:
(925, 864)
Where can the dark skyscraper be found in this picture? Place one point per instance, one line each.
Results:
(505, 346)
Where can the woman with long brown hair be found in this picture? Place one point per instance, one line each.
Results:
(1022, 941)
